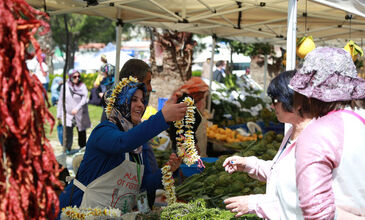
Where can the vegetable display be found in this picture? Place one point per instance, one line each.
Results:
(196, 210)
(237, 101)
(227, 135)
(28, 165)
(214, 184)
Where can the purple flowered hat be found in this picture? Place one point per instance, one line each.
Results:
(328, 74)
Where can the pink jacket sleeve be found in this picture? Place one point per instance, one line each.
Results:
(318, 152)
(261, 169)
(257, 168)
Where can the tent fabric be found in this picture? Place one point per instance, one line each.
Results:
(246, 21)
(356, 7)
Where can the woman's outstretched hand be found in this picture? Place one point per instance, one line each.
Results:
(173, 111)
(234, 163)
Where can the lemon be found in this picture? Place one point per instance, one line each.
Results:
(353, 49)
(304, 46)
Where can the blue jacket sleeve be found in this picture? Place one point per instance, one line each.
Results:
(113, 141)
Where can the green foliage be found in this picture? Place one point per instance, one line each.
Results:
(196, 210)
(83, 29)
(88, 79)
(214, 184)
(266, 148)
(249, 49)
(268, 116)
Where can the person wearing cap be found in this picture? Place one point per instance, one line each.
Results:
(116, 166)
(330, 164)
(77, 113)
(138, 69)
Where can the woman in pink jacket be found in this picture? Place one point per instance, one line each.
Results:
(278, 173)
(330, 152)
(321, 175)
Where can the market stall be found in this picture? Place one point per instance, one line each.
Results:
(224, 18)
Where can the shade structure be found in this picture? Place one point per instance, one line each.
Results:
(247, 21)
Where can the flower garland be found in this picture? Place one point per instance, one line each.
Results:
(116, 91)
(80, 214)
(185, 142)
(185, 149)
(168, 184)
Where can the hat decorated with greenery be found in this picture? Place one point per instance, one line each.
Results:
(328, 74)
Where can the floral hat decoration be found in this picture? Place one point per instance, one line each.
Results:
(328, 74)
(119, 98)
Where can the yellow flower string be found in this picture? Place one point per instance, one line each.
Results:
(116, 91)
(186, 144)
(168, 184)
(185, 148)
(80, 214)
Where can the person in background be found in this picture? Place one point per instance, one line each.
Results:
(116, 167)
(138, 69)
(41, 71)
(206, 69)
(219, 74)
(55, 89)
(77, 113)
(198, 90)
(330, 165)
(277, 172)
(103, 66)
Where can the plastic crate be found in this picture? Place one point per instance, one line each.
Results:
(161, 103)
(193, 169)
(277, 127)
(243, 126)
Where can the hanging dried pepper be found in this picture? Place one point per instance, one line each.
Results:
(28, 168)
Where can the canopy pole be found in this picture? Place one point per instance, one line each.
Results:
(291, 41)
(265, 73)
(119, 28)
(214, 39)
(291, 35)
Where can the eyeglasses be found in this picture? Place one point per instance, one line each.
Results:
(274, 100)
(76, 77)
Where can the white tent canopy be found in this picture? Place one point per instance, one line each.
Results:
(247, 21)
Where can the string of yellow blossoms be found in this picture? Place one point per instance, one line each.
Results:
(185, 148)
(81, 214)
(116, 91)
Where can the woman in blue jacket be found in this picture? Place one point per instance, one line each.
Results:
(116, 166)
